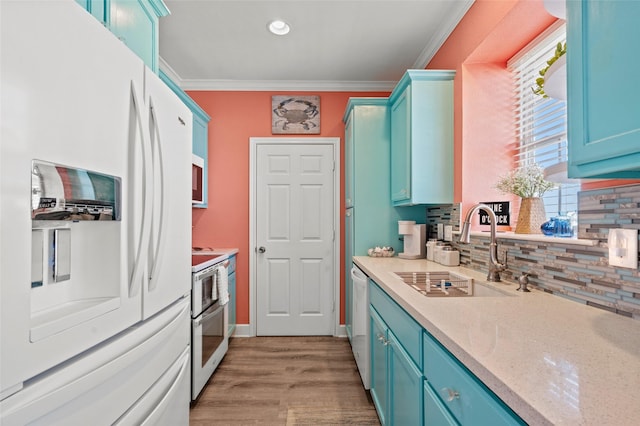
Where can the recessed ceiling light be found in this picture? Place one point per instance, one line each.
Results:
(278, 27)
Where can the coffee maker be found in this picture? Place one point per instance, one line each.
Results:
(414, 239)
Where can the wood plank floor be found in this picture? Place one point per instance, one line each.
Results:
(285, 381)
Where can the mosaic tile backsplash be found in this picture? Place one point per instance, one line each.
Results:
(448, 214)
(579, 273)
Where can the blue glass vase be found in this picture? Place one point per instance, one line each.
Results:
(558, 227)
(548, 227)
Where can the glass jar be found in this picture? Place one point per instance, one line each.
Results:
(560, 226)
(431, 248)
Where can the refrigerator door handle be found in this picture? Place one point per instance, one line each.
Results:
(152, 408)
(159, 411)
(147, 193)
(156, 249)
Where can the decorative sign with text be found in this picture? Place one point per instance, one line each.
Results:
(501, 209)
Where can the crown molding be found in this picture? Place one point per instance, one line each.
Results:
(421, 62)
(436, 42)
(288, 85)
(276, 85)
(170, 72)
(322, 86)
(159, 8)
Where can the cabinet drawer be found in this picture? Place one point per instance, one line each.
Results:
(435, 413)
(407, 331)
(470, 401)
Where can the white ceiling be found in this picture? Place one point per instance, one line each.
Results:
(343, 45)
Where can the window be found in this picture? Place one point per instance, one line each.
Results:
(541, 123)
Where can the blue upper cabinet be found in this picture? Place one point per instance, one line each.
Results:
(422, 138)
(98, 8)
(367, 174)
(200, 143)
(602, 89)
(135, 22)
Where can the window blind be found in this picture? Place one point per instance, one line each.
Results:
(541, 123)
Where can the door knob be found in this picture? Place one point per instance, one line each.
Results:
(261, 249)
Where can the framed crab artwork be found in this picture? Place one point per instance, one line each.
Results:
(295, 115)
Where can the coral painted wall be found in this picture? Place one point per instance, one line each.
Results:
(478, 49)
(235, 117)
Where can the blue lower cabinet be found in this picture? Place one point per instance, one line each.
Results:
(232, 304)
(396, 380)
(435, 413)
(405, 380)
(417, 381)
(405, 328)
(379, 366)
(464, 396)
(232, 295)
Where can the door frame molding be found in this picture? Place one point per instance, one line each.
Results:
(295, 140)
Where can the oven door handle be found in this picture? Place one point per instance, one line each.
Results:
(211, 312)
(207, 291)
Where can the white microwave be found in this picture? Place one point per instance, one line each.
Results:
(197, 180)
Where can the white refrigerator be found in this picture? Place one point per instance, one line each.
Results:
(94, 314)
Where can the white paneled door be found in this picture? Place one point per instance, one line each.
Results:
(294, 237)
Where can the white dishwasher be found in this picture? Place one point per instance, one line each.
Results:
(360, 327)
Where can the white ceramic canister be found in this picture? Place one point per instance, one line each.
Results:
(449, 257)
(437, 250)
(431, 246)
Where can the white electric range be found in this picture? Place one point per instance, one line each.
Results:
(209, 317)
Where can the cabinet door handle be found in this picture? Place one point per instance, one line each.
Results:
(381, 339)
(451, 394)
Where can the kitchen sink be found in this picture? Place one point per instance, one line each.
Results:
(447, 284)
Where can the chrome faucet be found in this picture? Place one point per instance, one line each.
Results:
(495, 267)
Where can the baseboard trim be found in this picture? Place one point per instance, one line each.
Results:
(244, 330)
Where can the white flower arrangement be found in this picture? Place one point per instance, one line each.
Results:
(525, 182)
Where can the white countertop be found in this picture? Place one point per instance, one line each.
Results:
(533, 237)
(214, 251)
(552, 360)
